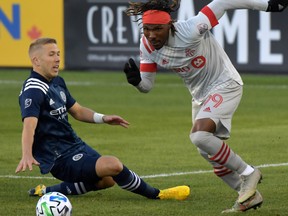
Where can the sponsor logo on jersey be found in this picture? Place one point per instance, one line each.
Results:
(77, 157)
(207, 109)
(183, 69)
(189, 52)
(198, 62)
(51, 102)
(58, 111)
(28, 102)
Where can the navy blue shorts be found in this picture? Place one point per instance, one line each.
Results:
(78, 167)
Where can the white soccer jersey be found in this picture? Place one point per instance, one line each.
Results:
(194, 54)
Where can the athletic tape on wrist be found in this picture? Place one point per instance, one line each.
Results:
(98, 118)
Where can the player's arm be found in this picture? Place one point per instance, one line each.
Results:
(85, 114)
(27, 161)
(142, 79)
(212, 12)
(148, 75)
(219, 7)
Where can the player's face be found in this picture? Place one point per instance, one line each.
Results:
(49, 60)
(156, 34)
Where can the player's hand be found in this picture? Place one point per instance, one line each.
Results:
(115, 120)
(132, 72)
(26, 162)
(277, 5)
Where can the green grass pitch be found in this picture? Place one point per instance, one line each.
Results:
(157, 142)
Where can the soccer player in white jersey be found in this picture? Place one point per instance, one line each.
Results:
(188, 48)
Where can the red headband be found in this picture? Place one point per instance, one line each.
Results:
(155, 17)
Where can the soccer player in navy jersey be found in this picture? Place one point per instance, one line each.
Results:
(189, 49)
(48, 140)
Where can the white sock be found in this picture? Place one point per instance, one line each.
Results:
(247, 171)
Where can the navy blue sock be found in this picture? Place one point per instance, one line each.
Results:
(128, 180)
(68, 188)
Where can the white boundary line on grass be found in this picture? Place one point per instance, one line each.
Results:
(207, 171)
(147, 176)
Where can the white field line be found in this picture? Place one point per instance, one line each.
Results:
(176, 84)
(147, 176)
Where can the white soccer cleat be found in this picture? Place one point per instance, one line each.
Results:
(249, 185)
(253, 202)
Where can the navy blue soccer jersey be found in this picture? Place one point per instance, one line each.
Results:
(49, 102)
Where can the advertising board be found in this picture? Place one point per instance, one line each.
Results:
(23, 21)
(99, 35)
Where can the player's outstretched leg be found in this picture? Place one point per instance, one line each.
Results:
(253, 202)
(221, 153)
(177, 193)
(66, 188)
(128, 180)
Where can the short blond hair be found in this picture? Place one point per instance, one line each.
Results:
(35, 45)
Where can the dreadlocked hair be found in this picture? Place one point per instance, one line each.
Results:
(138, 8)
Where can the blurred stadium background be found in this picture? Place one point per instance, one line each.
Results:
(97, 35)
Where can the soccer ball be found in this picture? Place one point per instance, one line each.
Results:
(53, 204)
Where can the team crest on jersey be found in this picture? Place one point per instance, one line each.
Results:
(77, 157)
(28, 102)
(203, 27)
(189, 52)
(63, 96)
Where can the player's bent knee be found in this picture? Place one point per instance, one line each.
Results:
(196, 139)
(200, 138)
(108, 166)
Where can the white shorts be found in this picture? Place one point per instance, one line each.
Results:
(220, 107)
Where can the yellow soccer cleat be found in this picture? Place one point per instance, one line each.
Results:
(177, 193)
(39, 190)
